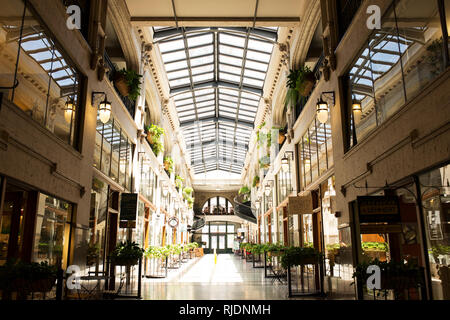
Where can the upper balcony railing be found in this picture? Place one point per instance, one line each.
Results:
(129, 104)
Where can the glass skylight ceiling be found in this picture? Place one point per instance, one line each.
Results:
(216, 76)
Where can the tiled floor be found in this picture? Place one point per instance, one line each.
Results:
(230, 279)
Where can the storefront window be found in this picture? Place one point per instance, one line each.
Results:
(330, 225)
(148, 181)
(52, 231)
(48, 89)
(396, 64)
(436, 209)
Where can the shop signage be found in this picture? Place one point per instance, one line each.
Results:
(300, 205)
(378, 209)
(128, 206)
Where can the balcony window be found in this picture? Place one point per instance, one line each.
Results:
(395, 65)
(112, 154)
(48, 84)
(315, 152)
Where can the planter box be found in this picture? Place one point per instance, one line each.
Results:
(121, 85)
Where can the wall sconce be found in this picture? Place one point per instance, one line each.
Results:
(268, 189)
(177, 204)
(285, 160)
(104, 108)
(322, 106)
(257, 203)
(69, 109)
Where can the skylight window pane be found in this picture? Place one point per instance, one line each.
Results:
(228, 98)
(228, 104)
(231, 51)
(200, 51)
(253, 55)
(256, 65)
(170, 57)
(203, 77)
(176, 65)
(230, 60)
(229, 92)
(179, 82)
(202, 60)
(232, 39)
(246, 113)
(182, 96)
(185, 108)
(229, 77)
(203, 91)
(204, 104)
(199, 40)
(206, 115)
(228, 114)
(188, 118)
(234, 70)
(250, 96)
(253, 82)
(209, 97)
(208, 68)
(249, 102)
(227, 109)
(260, 45)
(171, 45)
(254, 74)
(178, 74)
(241, 117)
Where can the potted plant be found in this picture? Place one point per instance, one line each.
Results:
(154, 134)
(245, 191)
(264, 162)
(179, 182)
(375, 250)
(281, 134)
(187, 192)
(395, 275)
(190, 202)
(128, 83)
(168, 164)
(297, 256)
(22, 277)
(256, 181)
(300, 84)
(126, 254)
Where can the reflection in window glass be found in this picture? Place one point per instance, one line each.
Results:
(43, 68)
(436, 210)
(398, 61)
(52, 231)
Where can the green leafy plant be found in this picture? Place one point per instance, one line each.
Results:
(256, 181)
(179, 182)
(245, 190)
(394, 275)
(126, 254)
(187, 192)
(296, 256)
(297, 83)
(168, 164)
(27, 277)
(264, 162)
(133, 80)
(154, 134)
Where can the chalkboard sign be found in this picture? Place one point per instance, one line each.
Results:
(128, 206)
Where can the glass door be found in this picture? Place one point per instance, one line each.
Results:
(221, 242)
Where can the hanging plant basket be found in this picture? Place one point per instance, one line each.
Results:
(306, 86)
(121, 84)
(281, 137)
